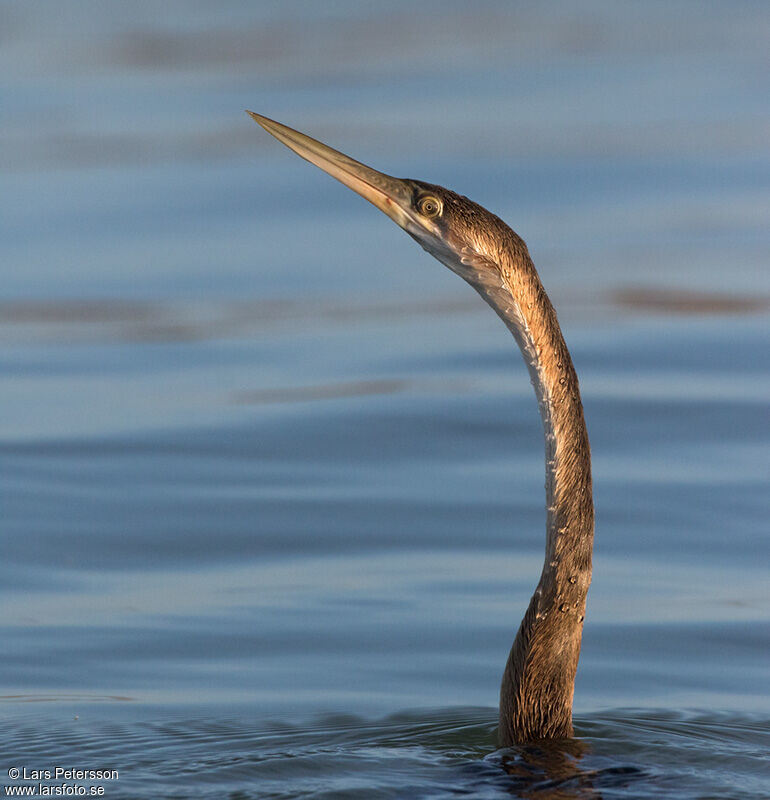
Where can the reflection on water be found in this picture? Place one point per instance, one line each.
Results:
(134, 321)
(330, 391)
(416, 754)
(58, 698)
(551, 770)
(670, 302)
(271, 475)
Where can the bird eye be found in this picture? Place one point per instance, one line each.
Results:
(429, 206)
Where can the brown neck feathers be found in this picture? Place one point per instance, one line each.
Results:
(538, 683)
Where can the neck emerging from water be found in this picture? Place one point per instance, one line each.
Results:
(539, 679)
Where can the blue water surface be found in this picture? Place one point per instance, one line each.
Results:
(272, 477)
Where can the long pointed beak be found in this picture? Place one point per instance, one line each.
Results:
(391, 195)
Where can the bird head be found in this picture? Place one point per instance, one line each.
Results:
(458, 232)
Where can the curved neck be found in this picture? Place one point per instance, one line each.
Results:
(538, 683)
